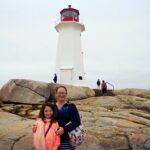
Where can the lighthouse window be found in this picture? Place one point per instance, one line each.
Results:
(68, 14)
(80, 78)
(75, 14)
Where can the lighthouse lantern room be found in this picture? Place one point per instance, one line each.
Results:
(69, 58)
(69, 14)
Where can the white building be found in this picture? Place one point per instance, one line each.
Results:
(69, 60)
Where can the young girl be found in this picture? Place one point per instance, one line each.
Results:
(44, 129)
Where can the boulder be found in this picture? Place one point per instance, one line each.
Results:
(15, 130)
(144, 93)
(75, 92)
(36, 92)
(24, 91)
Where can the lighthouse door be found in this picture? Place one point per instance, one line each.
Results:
(66, 76)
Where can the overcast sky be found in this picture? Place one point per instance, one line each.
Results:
(116, 42)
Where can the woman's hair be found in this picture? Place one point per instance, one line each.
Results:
(54, 115)
(61, 87)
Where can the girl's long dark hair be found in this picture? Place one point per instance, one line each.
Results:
(54, 115)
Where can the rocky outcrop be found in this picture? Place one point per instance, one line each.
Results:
(134, 92)
(120, 122)
(28, 111)
(36, 92)
(74, 92)
(24, 91)
(15, 132)
(117, 122)
(98, 92)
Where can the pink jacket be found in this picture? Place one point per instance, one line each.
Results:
(52, 140)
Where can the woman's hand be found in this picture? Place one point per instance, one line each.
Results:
(34, 128)
(60, 130)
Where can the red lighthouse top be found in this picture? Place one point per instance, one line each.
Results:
(69, 14)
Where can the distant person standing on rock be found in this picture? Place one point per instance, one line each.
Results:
(55, 78)
(98, 84)
(104, 87)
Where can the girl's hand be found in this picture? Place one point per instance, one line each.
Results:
(34, 128)
(60, 130)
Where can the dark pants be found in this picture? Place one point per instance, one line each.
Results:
(66, 146)
(104, 91)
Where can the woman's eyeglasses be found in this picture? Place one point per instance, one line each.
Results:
(61, 93)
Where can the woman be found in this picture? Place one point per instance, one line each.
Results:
(67, 113)
(44, 129)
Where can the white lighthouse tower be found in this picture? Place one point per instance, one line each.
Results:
(69, 60)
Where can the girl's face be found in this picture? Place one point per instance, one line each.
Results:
(48, 112)
(61, 94)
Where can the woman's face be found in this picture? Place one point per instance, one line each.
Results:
(61, 94)
(48, 112)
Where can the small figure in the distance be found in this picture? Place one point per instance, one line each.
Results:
(55, 78)
(104, 87)
(98, 84)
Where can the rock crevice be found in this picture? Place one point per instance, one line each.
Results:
(30, 89)
(16, 140)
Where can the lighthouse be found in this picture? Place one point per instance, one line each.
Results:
(69, 57)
